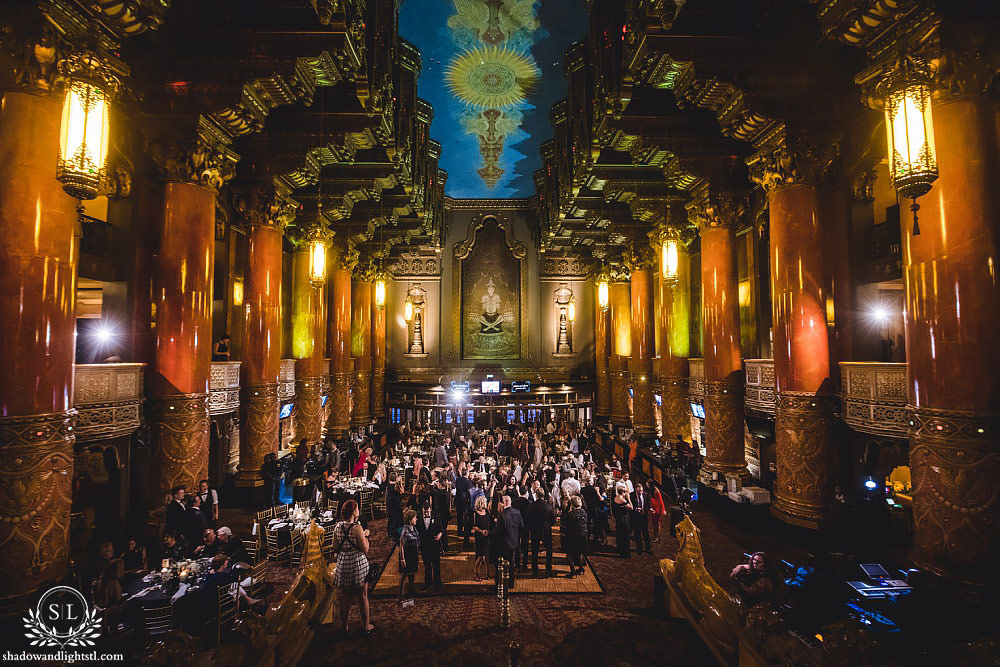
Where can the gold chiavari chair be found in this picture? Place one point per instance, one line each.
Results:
(158, 620)
(280, 511)
(264, 515)
(275, 550)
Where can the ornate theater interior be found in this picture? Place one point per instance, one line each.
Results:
(723, 271)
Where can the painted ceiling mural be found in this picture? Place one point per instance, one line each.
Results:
(492, 69)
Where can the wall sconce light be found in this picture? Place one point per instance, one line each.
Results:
(571, 311)
(910, 132)
(237, 292)
(83, 137)
(408, 311)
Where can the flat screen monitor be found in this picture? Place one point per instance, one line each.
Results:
(874, 571)
(286, 410)
(491, 386)
(698, 410)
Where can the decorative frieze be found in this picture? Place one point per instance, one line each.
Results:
(108, 399)
(759, 385)
(874, 397)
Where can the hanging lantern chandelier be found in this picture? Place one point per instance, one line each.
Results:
(318, 242)
(89, 86)
(669, 256)
(910, 131)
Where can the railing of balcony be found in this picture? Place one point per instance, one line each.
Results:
(759, 385)
(224, 387)
(874, 397)
(286, 380)
(696, 380)
(108, 400)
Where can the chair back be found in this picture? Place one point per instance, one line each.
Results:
(328, 545)
(365, 499)
(280, 511)
(257, 579)
(302, 504)
(264, 515)
(157, 619)
(225, 610)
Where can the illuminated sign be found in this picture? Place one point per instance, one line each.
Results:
(520, 385)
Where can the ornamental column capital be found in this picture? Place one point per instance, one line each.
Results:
(713, 208)
(265, 207)
(798, 160)
(202, 157)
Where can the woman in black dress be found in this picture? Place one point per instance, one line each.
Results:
(481, 525)
(622, 508)
(409, 550)
(394, 504)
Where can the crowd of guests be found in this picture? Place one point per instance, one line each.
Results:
(506, 490)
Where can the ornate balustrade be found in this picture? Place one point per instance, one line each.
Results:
(108, 400)
(759, 385)
(286, 380)
(874, 397)
(696, 381)
(224, 387)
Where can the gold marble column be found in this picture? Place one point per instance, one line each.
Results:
(341, 262)
(602, 347)
(183, 276)
(378, 354)
(308, 346)
(266, 215)
(674, 322)
(804, 400)
(38, 259)
(952, 317)
(716, 214)
(621, 333)
(640, 261)
(361, 350)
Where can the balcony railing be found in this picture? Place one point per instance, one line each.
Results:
(696, 381)
(286, 380)
(759, 385)
(874, 397)
(224, 387)
(108, 400)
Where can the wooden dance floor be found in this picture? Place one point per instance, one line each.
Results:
(457, 578)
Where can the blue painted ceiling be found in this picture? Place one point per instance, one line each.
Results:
(492, 69)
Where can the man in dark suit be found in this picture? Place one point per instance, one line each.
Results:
(196, 522)
(640, 518)
(509, 525)
(462, 485)
(523, 506)
(429, 530)
(175, 522)
(540, 520)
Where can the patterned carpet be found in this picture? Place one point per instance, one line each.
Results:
(616, 627)
(457, 574)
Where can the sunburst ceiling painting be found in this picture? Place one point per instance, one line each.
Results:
(492, 69)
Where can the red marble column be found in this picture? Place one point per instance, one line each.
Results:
(602, 406)
(723, 361)
(952, 318)
(674, 321)
(361, 350)
(308, 347)
(804, 401)
(38, 257)
(621, 340)
(261, 359)
(643, 347)
(183, 339)
(378, 356)
(339, 339)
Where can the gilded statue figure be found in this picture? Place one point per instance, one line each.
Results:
(491, 322)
